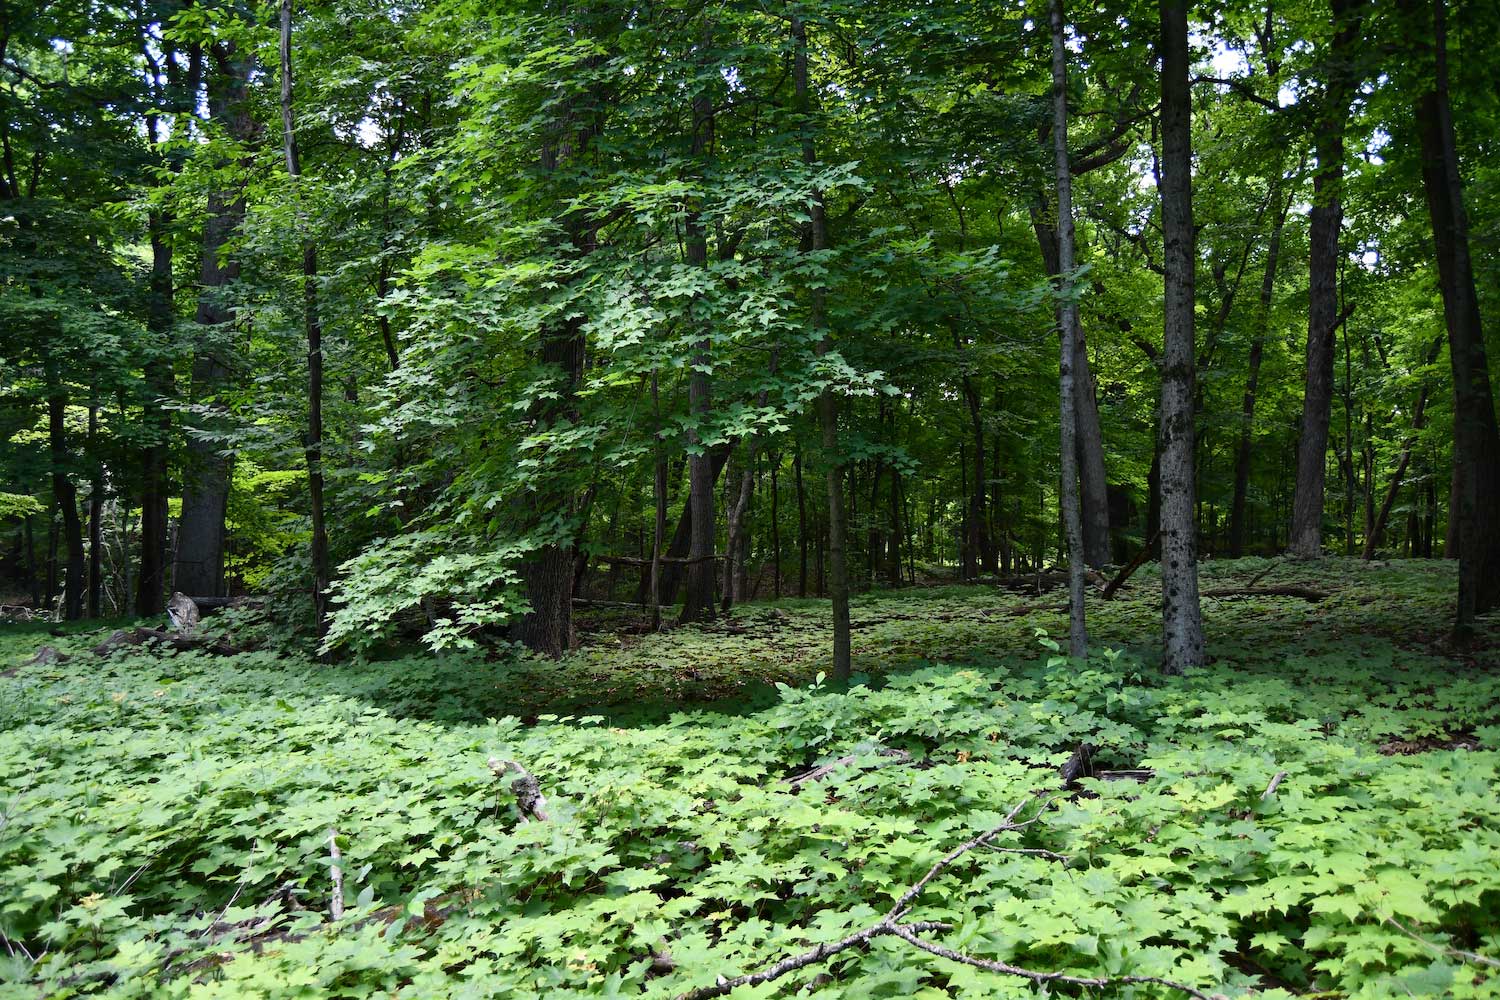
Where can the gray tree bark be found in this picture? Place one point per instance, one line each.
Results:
(1326, 220)
(699, 603)
(1078, 642)
(1089, 435)
(1182, 616)
(828, 413)
(198, 568)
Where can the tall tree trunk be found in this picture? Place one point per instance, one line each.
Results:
(1323, 269)
(1450, 529)
(198, 569)
(968, 565)
(160, 317)
(548, 575)
(313, 443)
(51, 589)
(1429, 521)
(1476, 439)
(775, 527)
(1252, 382)
(1088, 434)
(801, 522)
(33, 573)
(659, 494)
(1078, 642)
(874, 544)
(65, 494)
(828, 414)
(699, 604)
(893, 523)
(672, 569)
(735, 534)
(1182, 617)
(96, 514)
(1418, 421)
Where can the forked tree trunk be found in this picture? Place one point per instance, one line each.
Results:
(1182, 616)
(1069, 337)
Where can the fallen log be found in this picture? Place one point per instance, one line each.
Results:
(121, 638)
(1306, 593)
(586, 602)
(1078, 765)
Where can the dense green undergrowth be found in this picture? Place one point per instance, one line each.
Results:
(164, 819)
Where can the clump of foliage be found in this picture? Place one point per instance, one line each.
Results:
(167, 819)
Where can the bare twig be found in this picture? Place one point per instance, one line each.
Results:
(824, 770)
(905, 934)
(891, 925)
(1140, 558)
(1467, 956)
(1271, 788)
(336, 872)
(1261, 575)
(1035, 852)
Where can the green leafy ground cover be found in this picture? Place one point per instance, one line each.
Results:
(164, 818)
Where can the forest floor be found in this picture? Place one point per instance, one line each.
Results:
(1313, 813)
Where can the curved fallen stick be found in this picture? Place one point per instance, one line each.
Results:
(891, 925)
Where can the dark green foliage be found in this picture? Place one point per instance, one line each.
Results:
(153, 801)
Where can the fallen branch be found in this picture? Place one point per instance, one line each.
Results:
(891, 925)
(1306, 593)
(1465, 956)
(906, 934)
(530, 803)
(1125, 574)
(1262, 574)
(336, 873)
(822, 771)
(46, 656)
(585, 602)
